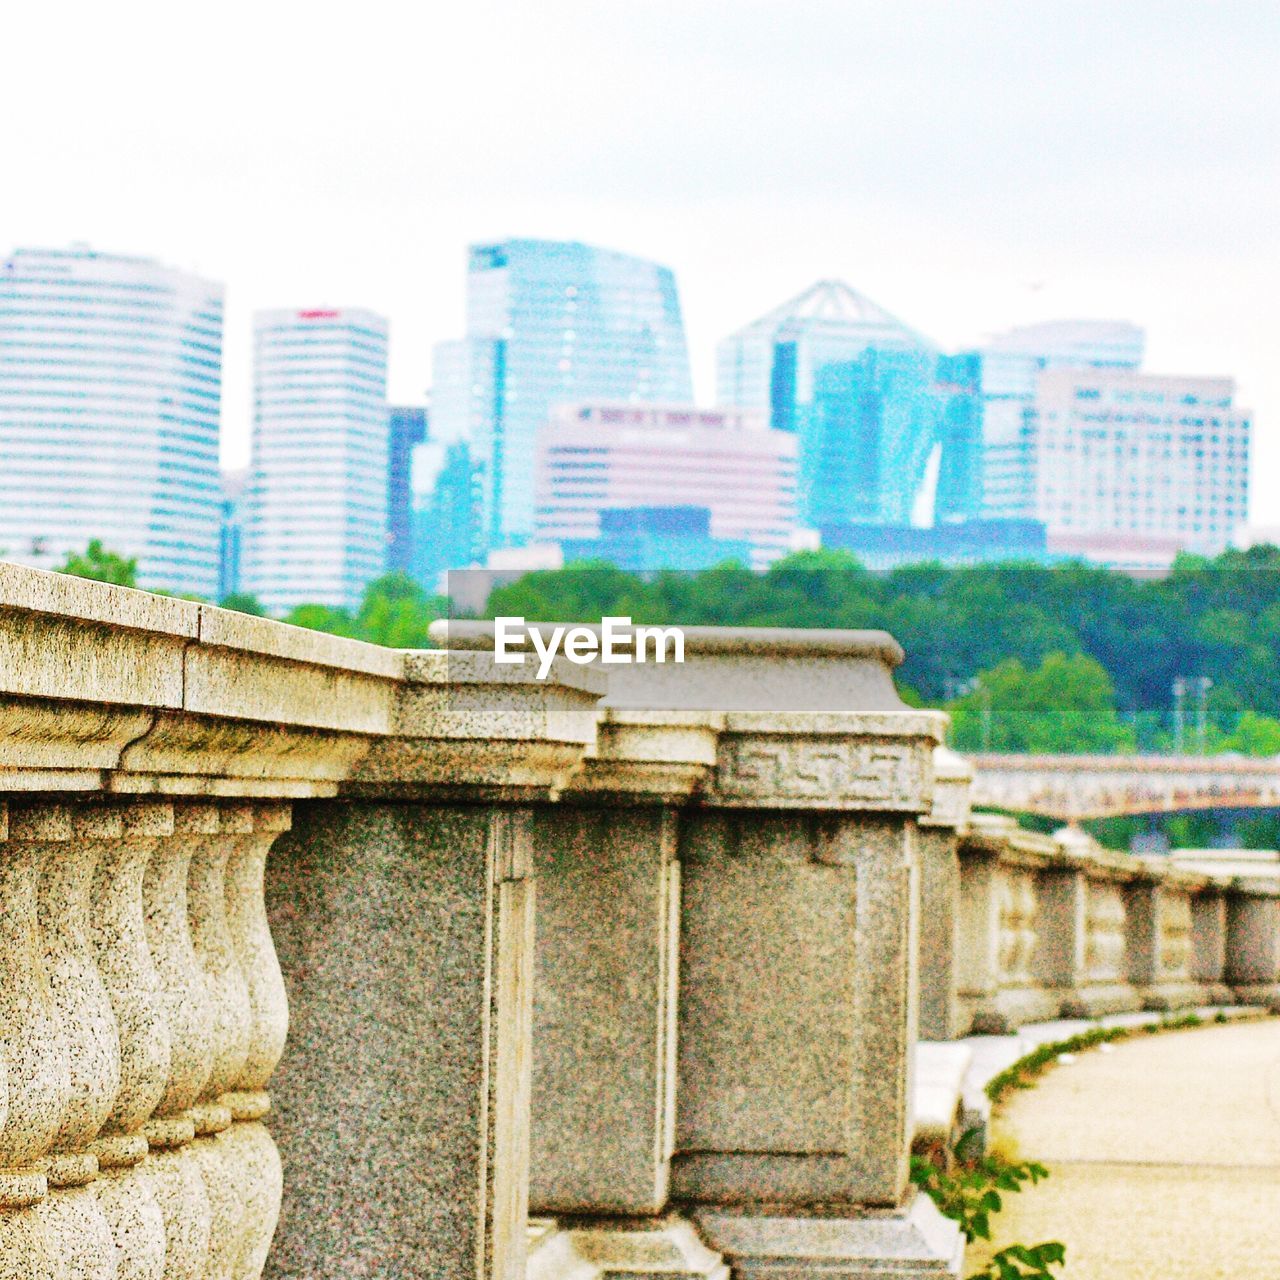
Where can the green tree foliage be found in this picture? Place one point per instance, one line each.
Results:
(395, 612)
(242, 602)
(1065, 705)
(1069, 658)
(1218, 618)
(101, 565)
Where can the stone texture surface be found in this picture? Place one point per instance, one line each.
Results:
(604, 1009)
(125, 962)
(34, 1050)
(383, 916)
(184, 997)
(939, 1013)
(72, 847)
(795, 1009)
(69, 638)
(609, 1249)
(907, 1243)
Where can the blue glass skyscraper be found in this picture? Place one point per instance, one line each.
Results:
(890, 430)
(549, 323)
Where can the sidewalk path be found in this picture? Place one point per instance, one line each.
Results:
(1164, 1156)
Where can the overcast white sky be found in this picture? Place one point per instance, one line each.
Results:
(968, 164)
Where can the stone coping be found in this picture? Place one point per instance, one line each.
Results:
(227, 629)
(40, 591)
(453, 667)
(106, 688)
(744, 669)
(773, 642)
(989, 835)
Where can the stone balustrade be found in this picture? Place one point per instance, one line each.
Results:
(1056, 926)
(324, 960)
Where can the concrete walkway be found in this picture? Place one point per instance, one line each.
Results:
(1164, 1155)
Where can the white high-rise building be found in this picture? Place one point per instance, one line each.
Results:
(1133, 467)
(1011, 364)
(110, 389)
(315, 529)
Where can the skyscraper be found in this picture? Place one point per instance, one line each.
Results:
(315, 528)
(549, 323)
(886, 424)
(1132, 467)
(893, 437)
(446, 513)
(110, 389)
(1011, 364)
(771, 363)
(408, 429)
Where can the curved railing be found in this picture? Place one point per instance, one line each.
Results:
(323, 960)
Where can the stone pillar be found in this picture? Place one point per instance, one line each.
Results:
(1209, 949)
(1004, 981)
(797, 983)
(1253, 941)
(604, 1040)
(1101, 962)
(1160, 942)
(403, 914)
(797, 986)
(33, 1051)
(937, 847)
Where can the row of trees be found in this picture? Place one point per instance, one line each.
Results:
(1070, 658)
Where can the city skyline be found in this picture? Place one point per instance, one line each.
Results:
(973, 168)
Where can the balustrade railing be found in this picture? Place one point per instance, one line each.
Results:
(321, 960)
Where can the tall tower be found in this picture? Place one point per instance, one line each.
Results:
(110, 391)
(551, 323)
(315, 527)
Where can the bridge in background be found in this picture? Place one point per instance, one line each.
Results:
(1073, 788)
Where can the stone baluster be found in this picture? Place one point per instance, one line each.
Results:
(188, 1013)
(73, 836)
(213, 846)
(129, 836)
(37, 1077)
(249, 1143)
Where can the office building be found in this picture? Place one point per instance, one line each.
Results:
(446, 513)
(315, 527)
(645, 539)
(407, 429)
(110, 389)
(231, 544)
(892, 437)
(550, 323)
(772, 363)
(1011, 364)
(1131, 467)
(597, 457)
